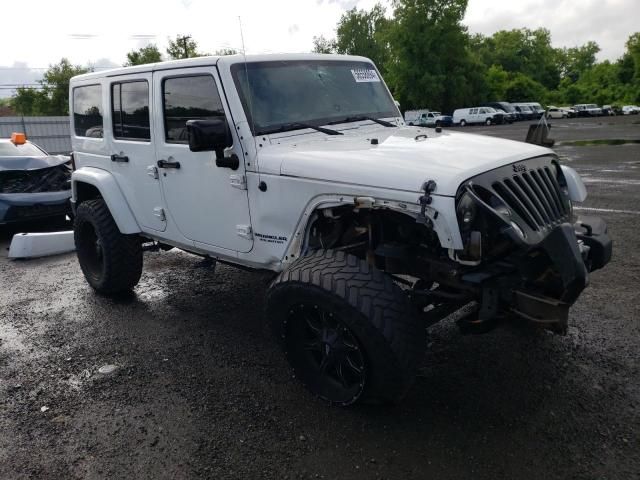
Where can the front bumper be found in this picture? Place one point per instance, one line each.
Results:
(22, 207)
(541, 283)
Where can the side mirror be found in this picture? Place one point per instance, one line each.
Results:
(209, 135)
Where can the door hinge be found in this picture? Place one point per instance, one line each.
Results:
(152, 171)
(244, 231)
(159, 212)
(238, 181)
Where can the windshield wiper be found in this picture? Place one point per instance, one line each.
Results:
(359, 118)
(297, 126)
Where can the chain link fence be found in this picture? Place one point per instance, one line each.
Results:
(50, 133)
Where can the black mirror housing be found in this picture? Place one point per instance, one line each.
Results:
(209, 135)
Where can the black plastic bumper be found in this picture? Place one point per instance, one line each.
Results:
(593, 232)
(563, 260)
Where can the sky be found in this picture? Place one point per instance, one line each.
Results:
(100, 34)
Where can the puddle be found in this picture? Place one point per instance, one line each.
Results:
(589, 143)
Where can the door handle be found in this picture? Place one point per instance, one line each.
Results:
(168, 164)
(119, 158)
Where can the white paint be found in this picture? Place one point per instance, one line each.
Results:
(577, 190)
(32, 245)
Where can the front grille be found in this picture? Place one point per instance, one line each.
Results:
(532, 193)
(52, 179)
(535, 196)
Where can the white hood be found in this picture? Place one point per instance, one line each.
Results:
(403, 159)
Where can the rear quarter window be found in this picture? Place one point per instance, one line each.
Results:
(87, 111)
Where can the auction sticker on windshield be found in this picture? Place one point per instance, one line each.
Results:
(365, 75)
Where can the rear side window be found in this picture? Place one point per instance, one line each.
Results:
(87, 111)
(188, 98)
(130, 110)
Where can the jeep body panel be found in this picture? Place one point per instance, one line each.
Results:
(108, 187)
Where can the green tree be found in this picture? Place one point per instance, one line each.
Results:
(522, 88)
(183, 46)
(148, 54)
(430, 65)
(576, 61)
(53, 96)
(322, 45)
(497, 80)
(28, 101)
(55, 84)
(365, 33)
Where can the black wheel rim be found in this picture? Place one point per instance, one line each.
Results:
(325, 354)
(90, 251)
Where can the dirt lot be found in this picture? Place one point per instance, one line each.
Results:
(202, 391)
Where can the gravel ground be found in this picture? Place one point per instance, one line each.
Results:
(200, 389)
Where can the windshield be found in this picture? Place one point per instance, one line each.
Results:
(315, 92)
(8, 149)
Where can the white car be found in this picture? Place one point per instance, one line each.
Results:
(588, 110)
(424, 118)
(630, 110)
(485, 115)
(555, 112)
(302, 165)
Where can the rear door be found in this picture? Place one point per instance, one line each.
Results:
(132, 148)
(207, 203)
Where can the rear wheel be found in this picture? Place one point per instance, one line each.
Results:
(111, 261)
(348, 331)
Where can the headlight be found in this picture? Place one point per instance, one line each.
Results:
(466, 211)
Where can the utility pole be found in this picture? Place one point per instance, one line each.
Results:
(184, 39)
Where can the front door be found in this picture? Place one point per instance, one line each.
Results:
(132, 150)
(208, 204)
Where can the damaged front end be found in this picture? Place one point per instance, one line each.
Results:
(34, 187)
(526, 254)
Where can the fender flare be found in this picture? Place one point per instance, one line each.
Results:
(110, 192)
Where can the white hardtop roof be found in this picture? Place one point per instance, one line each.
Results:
(215, 60)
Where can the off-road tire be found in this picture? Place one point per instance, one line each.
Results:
(110, 261)
(373, 308)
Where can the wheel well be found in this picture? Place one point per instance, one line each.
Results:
(86, 191)
(387, 238)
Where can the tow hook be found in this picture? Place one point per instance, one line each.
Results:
(429, 187)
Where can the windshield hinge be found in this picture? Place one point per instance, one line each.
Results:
(428, 187)
(238, 181)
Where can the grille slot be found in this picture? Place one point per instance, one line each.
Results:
(535, 196)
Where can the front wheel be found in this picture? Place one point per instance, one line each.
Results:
(111, 261)
(487, 122)
(348, 331)
(463, 123)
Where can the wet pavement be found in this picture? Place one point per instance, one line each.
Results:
(181, 379)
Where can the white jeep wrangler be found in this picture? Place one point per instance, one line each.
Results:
(302, 165)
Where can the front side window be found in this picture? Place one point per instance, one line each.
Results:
(130, 110)
(188, 98)
(87, 111)
(279, 96)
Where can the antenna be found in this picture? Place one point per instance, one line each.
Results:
(250, 96)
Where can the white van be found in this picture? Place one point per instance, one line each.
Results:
(486, 115)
